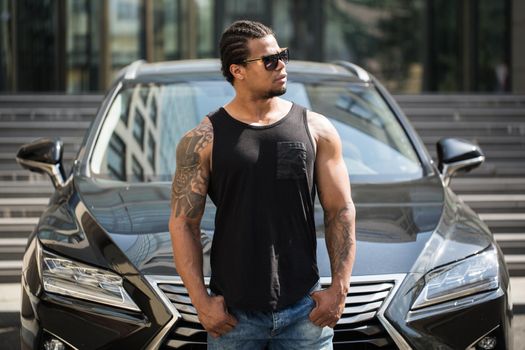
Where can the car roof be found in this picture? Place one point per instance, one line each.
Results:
(143, 71)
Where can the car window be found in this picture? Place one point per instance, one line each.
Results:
(138, 138)
(375, 146)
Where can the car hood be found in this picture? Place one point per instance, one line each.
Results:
(394, 224)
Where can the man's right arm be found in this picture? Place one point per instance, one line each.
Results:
(189, 189)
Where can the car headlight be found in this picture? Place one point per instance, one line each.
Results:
(77, 280)
(475, 274)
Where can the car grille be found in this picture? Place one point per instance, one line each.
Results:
(188, 332)
(358, 328)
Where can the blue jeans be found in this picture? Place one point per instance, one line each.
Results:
(285, 329)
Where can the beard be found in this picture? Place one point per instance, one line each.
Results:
(275, 92)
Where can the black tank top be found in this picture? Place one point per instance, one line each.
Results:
(263, 255)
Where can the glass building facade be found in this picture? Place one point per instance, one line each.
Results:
(413, 46)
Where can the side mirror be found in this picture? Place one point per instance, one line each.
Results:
(44, 156)
(457, 155)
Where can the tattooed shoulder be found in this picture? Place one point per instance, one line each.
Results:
(201, 135)
(190, 183)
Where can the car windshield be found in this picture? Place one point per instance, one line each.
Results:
(138, 138)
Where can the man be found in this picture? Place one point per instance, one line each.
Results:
(260, 159)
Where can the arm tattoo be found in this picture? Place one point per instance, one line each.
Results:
(190, 184)
(339, 238)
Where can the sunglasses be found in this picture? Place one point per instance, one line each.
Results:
(272, 61)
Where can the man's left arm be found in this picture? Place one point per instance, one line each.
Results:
(333, 185)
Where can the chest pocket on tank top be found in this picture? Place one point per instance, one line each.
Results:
(291, 160)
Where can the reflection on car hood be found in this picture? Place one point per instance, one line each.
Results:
(393, 223)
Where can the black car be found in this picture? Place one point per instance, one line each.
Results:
(98, 271)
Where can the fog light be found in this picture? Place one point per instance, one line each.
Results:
(54, 344)
(487, 343)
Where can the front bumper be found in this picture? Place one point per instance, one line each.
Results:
(168, 319)
(458, 328)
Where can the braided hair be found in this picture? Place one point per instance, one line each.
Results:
(233, 43)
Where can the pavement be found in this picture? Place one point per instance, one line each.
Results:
(10, 323)
(519, 332)
(9, 297)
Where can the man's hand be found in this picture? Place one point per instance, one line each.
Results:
(214, 317)
(330, 304)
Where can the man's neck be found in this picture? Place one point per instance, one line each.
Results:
(253, 110)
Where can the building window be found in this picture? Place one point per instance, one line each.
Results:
(373, 34)
(153, 110)
(127, 11)
(80, 42)
(116, 161)
(167, 29)
(138, 128)
(136, 170)
(78, 7)
(151, 150)
(125, 36)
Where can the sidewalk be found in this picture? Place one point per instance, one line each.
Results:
(517, 286)
(9, 297)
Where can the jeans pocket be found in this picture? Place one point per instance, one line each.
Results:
(291, 160)
(317, 286)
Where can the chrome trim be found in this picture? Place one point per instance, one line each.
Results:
(96, 133)
(422, 302)
(39, 259)
(178, 343)
(51, 169)
(131, 70)
(366, 298)
(398, 338)
(185, 308)
(368, 329)
(453, 305)
(371, 288)
(188, 332)
(360, 72)
(176, 289)
(60, 338)
(190, 317)
(357, 318)
(450, 168)
(362, 308)
(179, 298)
(154, 280)
(366, 278)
